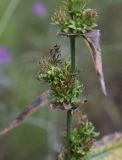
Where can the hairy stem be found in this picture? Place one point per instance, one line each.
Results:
(69, 114)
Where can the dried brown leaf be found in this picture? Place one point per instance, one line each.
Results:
(62, 106)
(108, 148)
(33, 107)
(93, 41)
(65, 106)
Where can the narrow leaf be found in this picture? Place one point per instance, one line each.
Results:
(108, 148)
(33, 107)
(93, 41)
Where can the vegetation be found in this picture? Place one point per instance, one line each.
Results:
(59, 72)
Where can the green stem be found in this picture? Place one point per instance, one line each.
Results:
(72, 46)
(69, 128)
(69, 114)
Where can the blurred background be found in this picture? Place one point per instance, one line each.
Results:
(26, 34)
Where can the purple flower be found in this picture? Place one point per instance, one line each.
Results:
(5, 57)
(39, 9)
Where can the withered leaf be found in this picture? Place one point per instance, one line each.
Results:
(108, 148)
(33, 107)
(62, 106)
(65, 106)
(108, 140)
(93, 41)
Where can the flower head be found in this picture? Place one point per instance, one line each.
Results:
(39, 9)
(5, 57)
